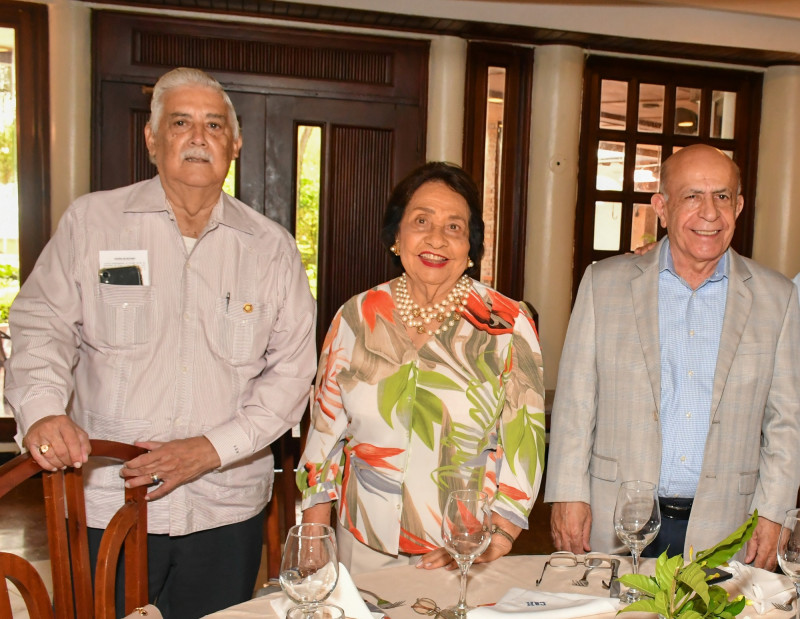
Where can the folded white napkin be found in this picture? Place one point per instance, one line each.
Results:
(345, 595)
(543, 605)
(760, 586)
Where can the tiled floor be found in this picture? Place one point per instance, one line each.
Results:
(22, 523)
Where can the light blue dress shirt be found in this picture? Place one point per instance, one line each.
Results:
(689, 327)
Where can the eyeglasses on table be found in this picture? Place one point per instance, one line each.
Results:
(564, 558)
(426, 606)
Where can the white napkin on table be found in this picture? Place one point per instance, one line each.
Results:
(541, 605)
(345, 595)
(761, 587)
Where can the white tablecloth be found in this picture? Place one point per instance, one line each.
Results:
(487, 584)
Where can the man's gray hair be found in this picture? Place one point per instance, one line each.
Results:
(184, 76)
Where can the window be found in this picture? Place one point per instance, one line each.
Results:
(496, 155)
(635, 114)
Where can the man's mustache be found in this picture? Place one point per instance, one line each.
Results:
(196, 153)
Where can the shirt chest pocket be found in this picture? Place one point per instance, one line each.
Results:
(125, 314)
(241, 329)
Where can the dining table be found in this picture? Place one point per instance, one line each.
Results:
(488, 582)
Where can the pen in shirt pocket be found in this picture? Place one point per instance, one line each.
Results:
(227, 301)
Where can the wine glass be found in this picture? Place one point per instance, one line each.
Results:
(320, 611)
(789, 549)
(466, 533)
(637, 520)
(309, 567)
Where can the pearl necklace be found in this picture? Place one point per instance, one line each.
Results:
(445, 313)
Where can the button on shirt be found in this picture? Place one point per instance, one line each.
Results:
(690, 327)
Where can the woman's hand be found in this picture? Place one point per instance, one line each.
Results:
(500, 546)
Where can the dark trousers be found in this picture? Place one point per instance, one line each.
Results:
(197, 574)
(671, 537)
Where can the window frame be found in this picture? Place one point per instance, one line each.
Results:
(744, 145)
(30, 23)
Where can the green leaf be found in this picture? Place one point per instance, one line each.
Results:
(390, 390)
(427, 411)
(666, 570)
(728, 547)
(695, 578)
(436, 381)
(640, 582)
(662, 604)
(646, 605)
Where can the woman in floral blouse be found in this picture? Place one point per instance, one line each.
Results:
(426, 384)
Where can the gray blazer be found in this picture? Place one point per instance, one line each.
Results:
(605, 423)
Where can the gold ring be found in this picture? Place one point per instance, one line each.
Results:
(156, 479)
(43, 449)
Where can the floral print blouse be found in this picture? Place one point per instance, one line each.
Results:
(395, 429)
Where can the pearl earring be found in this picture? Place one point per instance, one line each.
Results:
(394, 250)
(470, 264)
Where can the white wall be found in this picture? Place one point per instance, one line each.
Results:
(685, 25)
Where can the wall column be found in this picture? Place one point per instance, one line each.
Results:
(553, 186)
(447, 69)
(776, 238)
(70, 103)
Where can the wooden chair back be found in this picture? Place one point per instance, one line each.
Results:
(67, 537)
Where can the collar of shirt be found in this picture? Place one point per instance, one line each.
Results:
(154, 200)
(665, 263)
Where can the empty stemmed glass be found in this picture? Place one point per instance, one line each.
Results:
(789, 550)
(309, 567)
(637, 519)
(466, 533)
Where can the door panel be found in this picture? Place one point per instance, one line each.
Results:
(367, 148)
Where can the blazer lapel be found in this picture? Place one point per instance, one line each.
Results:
(737, 310)
(644, 290)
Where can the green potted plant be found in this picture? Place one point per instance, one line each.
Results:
(682, 591)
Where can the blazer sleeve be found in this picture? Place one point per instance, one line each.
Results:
(778, 472)
(572, 424)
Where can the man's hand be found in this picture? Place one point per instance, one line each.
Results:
(63, 442)
(571, 525)
(173, 463)
(762, 547)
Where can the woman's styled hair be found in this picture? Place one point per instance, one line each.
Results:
(435, 172)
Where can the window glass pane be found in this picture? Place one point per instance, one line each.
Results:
(610, 165)
(9, 203)
(651, 108)
(648, 167)
(607, 225)
(723, 114)
(229, 185)
(492, 164)
(687, 108)
(644, 228)
(613, 104)
(309, 141)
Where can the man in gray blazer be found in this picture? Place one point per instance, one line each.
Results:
(680, 367)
